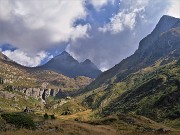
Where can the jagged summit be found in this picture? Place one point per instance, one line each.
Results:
(65, 58)
(64, 53)
(166, 22)
(87, 61)
(65, 64)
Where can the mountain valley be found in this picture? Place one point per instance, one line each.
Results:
(138, 96)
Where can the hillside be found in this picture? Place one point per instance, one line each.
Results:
(154, 94)
(140, 95)
(35, 82)
(163, 42)
(146, 83)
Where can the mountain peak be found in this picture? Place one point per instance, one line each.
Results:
(165, 23)
(166, 16)
(87, 61)
(64, 53)
(89, 64)
(65, 64)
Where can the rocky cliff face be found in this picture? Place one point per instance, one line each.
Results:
(37, 93)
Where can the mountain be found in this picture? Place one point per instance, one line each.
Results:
(67, 65)
(140, 95)
(147, 83)
(162, 43)
(35, 82)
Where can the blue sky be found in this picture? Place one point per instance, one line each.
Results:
(104, 31)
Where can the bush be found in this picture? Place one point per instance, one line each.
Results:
(52, 117)
(19, 120)
(66, 113)
(174, 114)
(46, 116)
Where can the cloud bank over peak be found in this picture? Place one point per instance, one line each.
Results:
(104, 31)
(118, 37)
(25, 59)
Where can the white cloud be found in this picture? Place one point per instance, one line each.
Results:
(134, 20)
(80, 32)
(174, 8)
(33, 25)
(126, 17)
(36, 25)
(119, 22)
(98, 4)
(26, 60)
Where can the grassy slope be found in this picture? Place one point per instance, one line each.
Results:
(152, 92)
(17, 75)
(154, 95)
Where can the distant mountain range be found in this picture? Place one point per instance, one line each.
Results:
(65, 64)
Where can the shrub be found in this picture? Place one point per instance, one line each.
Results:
(46, 116)
(19, 120)
(52, 117)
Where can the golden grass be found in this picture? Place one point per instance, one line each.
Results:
(85, 115)
(65, 125)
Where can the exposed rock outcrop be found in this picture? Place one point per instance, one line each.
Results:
(37, 93)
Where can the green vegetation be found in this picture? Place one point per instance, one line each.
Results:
(52, 117)
(46, 116)
(138, 96)
(154, 94)
(20, 120)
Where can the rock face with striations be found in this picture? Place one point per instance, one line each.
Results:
(65, 64)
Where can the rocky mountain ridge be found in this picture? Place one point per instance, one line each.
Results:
(65, 64)
(162, 43)
(38, 84)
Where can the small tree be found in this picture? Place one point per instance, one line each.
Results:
(1, 81)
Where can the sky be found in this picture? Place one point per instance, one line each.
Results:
(104, 31)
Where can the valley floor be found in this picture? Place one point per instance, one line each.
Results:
(76, 128)
(80, 124)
